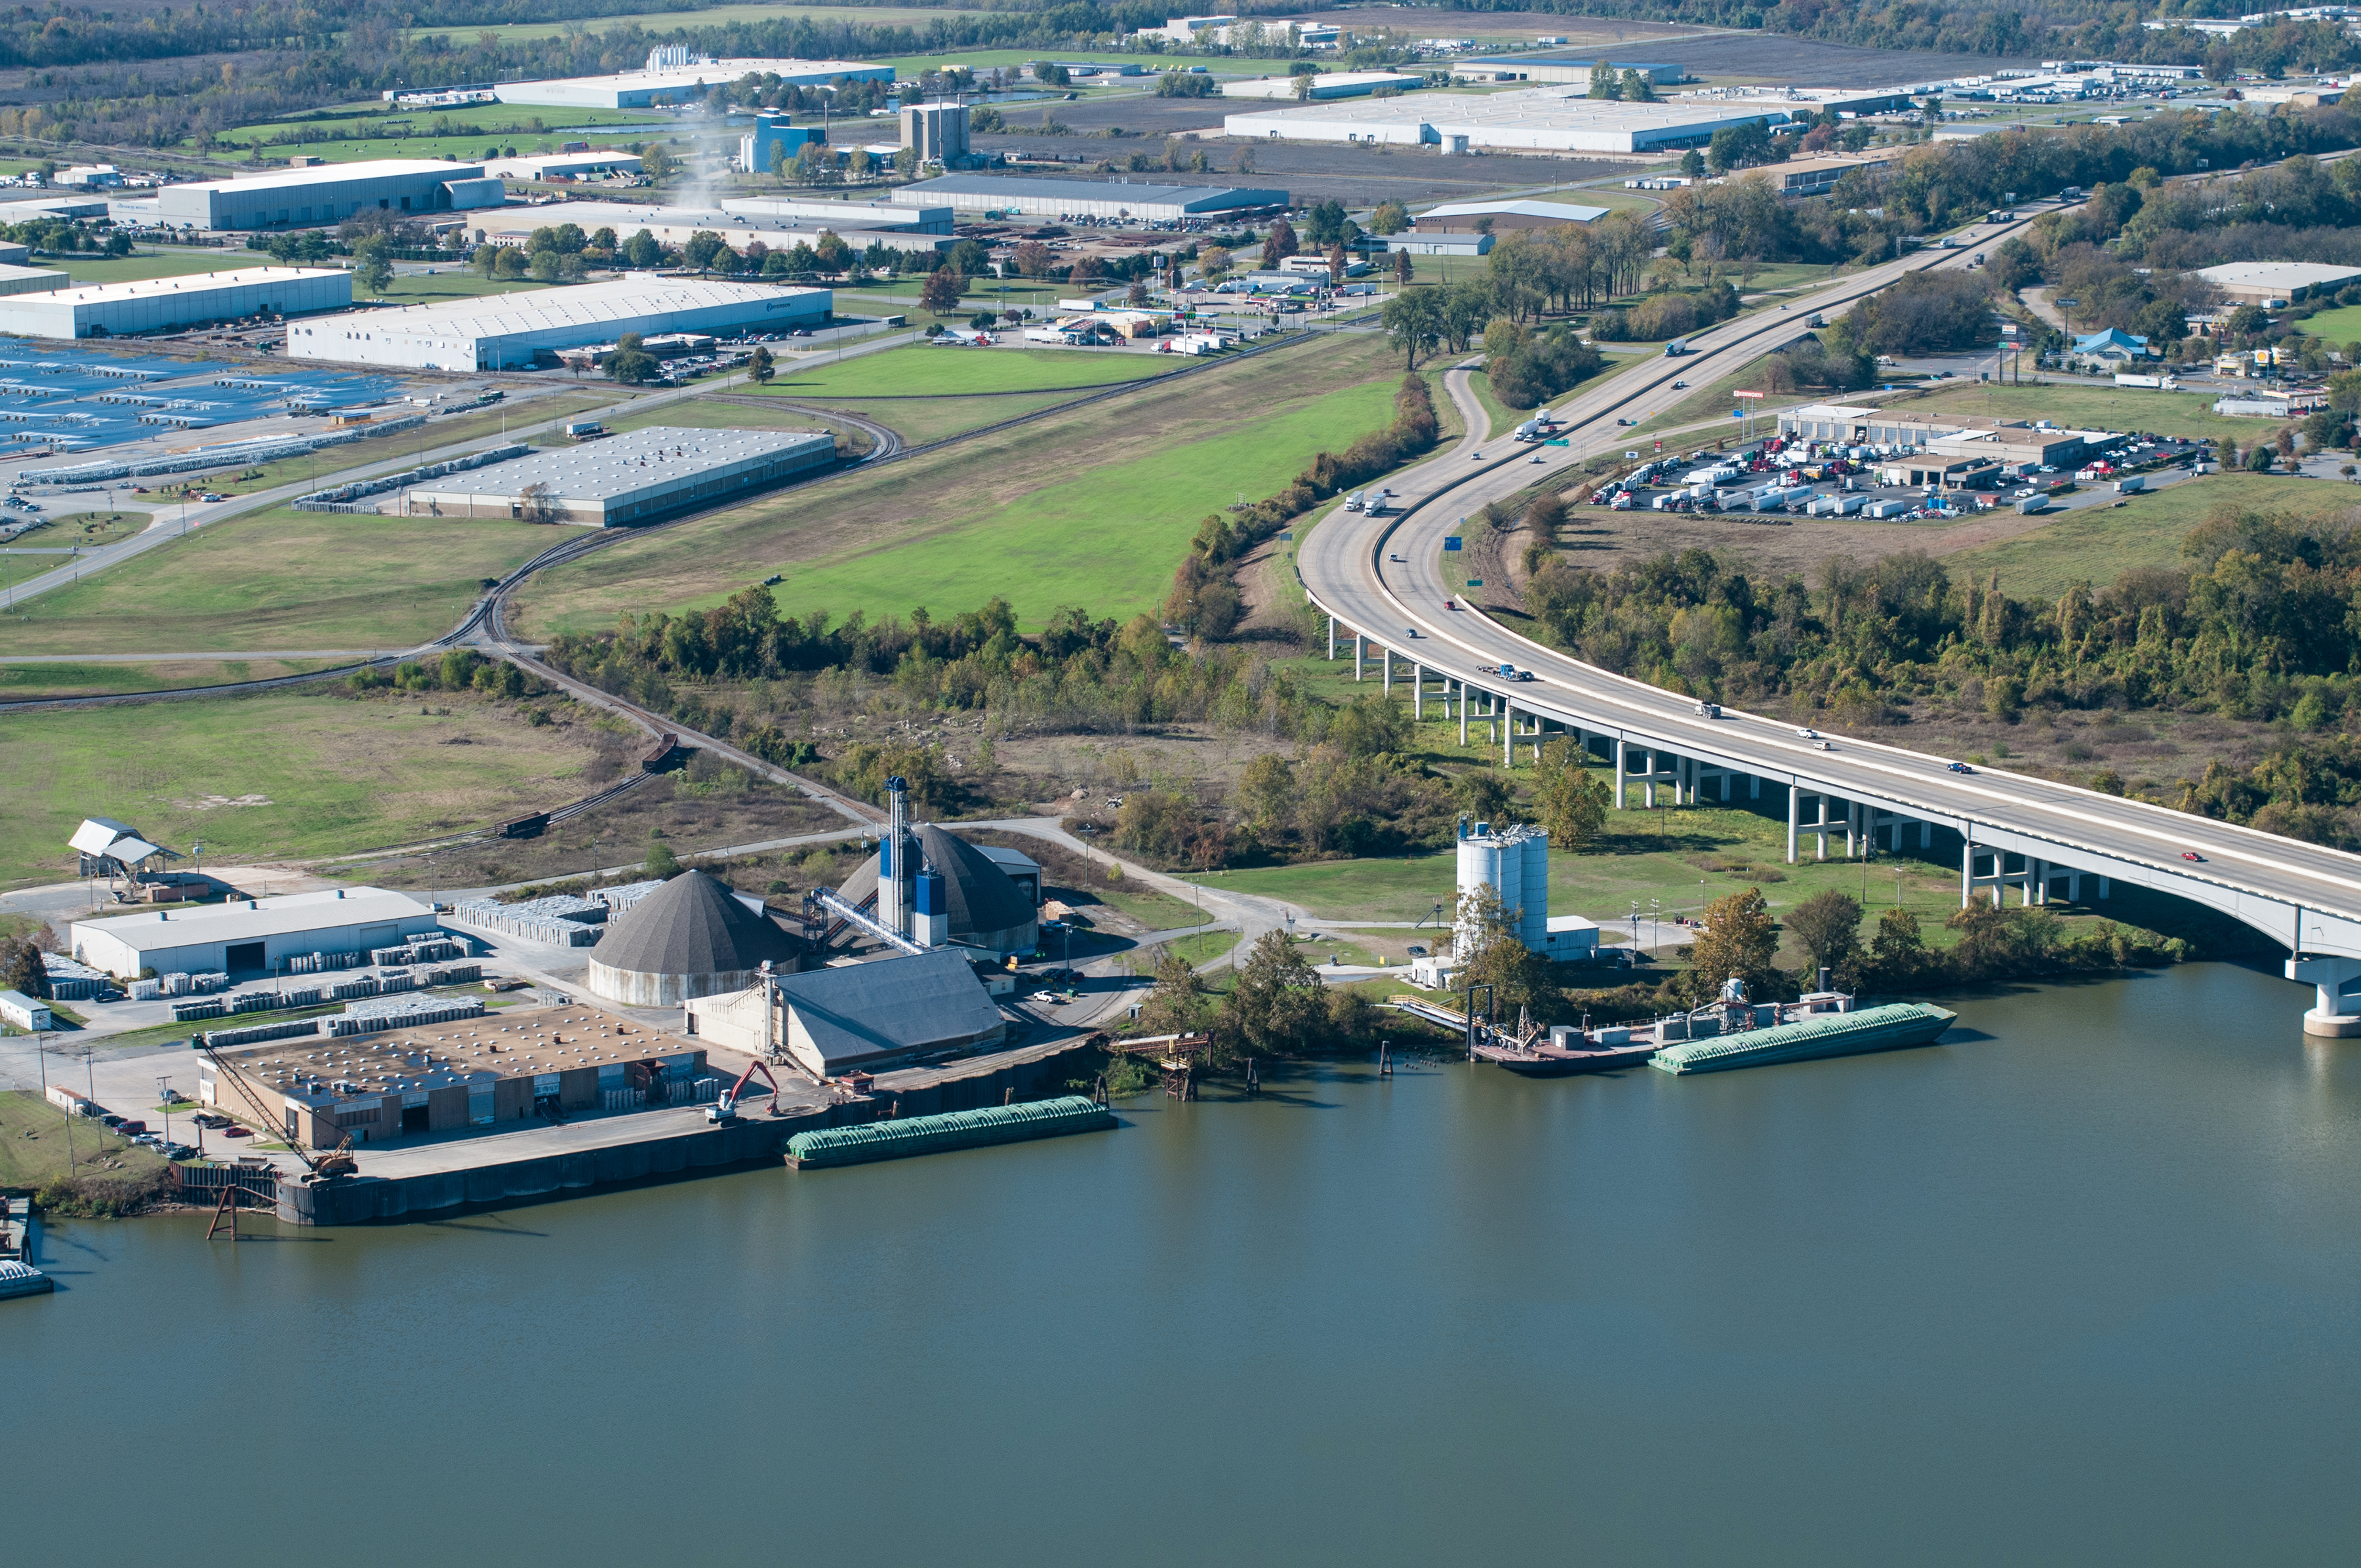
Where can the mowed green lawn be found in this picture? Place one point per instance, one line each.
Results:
(665, 22)
(159, 263)
(1106, 540)
(280, 580)
(304, 774)
(2339, 326)
(920, 371)
(2099, 544)
(25, 683)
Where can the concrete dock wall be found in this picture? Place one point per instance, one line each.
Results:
(755, 1138)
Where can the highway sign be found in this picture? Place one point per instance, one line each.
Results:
(1557, 441)
(1747, 394)
(1475, 582)
(1451, 542)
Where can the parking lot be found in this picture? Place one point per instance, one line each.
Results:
(1782, 479)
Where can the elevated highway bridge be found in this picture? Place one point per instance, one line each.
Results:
(1380, 581)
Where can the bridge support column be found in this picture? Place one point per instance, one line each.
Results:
(1795, 796)
(1463, 713)
(1417, 690)
(1997, 879)
(1755, 788)
(2336, 1013)
(1332, 637)
(1360, 648)
(1387, 676)
(1620, 772)
(2102, 887)
(1852, 829)
(1508, 733)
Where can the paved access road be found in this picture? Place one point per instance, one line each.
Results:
(1385, 578)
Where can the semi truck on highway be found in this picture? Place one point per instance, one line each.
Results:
(1676, 348)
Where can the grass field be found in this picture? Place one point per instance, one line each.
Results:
(453, 282)
(2100, 408)
(1648, 859)
(283, 579)
(160, 263)
(721, 17)
(2339, 326)
(25, 683)
(2099, 544)
(318, 775)
(34, 1143)
(918, 422)
(1715, 401)
(1092, 508)
(920, 371)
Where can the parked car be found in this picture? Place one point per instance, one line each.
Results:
(129, 1129)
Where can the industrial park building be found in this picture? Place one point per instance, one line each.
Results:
(937, 133)
(171, 304)
(1538, 120)
(253, 934)
(510, 331)
(329, 193)
(2276, 282)
(862, 1017)
(669, 84)
(571, 165)
(1086, 198)
(628, 478)
(451, 1076)
(1336, 84)
(838, 216)
(1500, 216)
(740, 226)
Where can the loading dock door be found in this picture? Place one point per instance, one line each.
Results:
(244, 956)
(413, 1119)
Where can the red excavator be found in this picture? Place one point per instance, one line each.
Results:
(725, 1109)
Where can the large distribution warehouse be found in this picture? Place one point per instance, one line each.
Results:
(1085, 198)
(1539, 121)
(627, 478)
(512, 331)
(251, 935)
(665, 83)
(740, 226)
(171, 304)
(330, 194)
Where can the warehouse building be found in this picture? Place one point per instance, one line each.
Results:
(1541, 120)
(174, 305)
(2272, 283)
(31, 280)
(1087, 198)
(690, 937)
(737, 228)
(1501, 216)
(253, 935)
(580, 164)
(628, 478)
(841, 216)
(1336, 84)
(671, 77)
(1802, 177)
(856, 1017)
(502, 332)
(453, 1076)
(329, 193)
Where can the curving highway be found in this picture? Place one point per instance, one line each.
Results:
(1382, 580)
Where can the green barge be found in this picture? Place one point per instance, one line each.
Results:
(905, 1136)
(1893, 1027)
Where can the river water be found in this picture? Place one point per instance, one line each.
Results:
(2078, 1286)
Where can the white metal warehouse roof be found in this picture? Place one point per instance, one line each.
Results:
(541, 310)
(622, 465)
(245, 920)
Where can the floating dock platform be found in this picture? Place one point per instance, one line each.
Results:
(954, 1130)
(1896, 1026)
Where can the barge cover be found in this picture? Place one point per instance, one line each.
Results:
(1895, 1026)
(953, 1130)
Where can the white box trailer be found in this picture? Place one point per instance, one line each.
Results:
(2159, 383)
(2131, 484)
(1884, 509)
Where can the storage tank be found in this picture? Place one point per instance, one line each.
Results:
(1514, 863)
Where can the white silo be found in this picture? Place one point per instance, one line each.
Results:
(1514, 863)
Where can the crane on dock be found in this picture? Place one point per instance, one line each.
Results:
(324, 1163)
(725, 1108)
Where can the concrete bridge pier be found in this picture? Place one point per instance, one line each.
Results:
(2336, 1014)
(1360, 648)
(1462, 712)
(1332, 637)
(1388, 655)
(1417, 690)
(1508, 733)
(1819, 829)
(1621, 773)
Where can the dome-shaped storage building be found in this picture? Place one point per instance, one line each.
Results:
(689, 937)
(987, 908)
